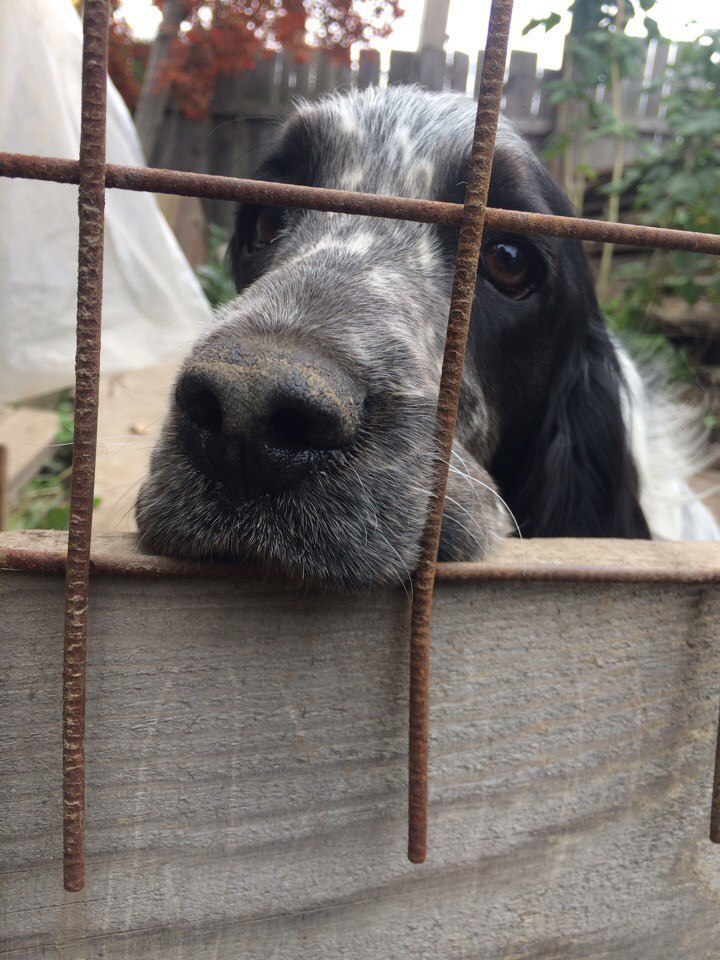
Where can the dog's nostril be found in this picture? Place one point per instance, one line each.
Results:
(289, 429)
(202, 407)
(263, 421)
(306, 428)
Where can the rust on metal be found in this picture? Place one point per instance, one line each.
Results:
(52, 561)
(213, 187)
(93, 176)
(463, 292)
(715, 807)
(91, 209)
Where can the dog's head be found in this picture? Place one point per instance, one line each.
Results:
(301, 432)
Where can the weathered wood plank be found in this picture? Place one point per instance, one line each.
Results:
(404, 67)
(478, 72)
(459, 72)
(692, 563)
(323, 65)
(432, 67)
(520, 84)
(28, 437)
(246, 773)
(368, 69)
(661, 50)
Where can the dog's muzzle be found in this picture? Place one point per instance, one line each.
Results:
(260, 420)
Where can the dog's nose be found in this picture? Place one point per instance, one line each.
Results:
(261, 421)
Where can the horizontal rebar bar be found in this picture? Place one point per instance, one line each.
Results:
(212, 187)
(49, 561)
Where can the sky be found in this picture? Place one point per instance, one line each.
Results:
(467, 24)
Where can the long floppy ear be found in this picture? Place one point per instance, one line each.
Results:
(578, 477)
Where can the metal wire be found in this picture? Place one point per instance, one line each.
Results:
(51, 560)
(93, 176)
(461, 301)
(91, 207)
(715, 803)
(212, 187)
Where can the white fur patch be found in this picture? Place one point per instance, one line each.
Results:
(352, 179)
(666, 455)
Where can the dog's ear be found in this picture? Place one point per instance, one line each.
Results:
(578, 477)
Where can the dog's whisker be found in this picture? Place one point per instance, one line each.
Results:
(301, 426)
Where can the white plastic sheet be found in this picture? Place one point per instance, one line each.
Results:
(153, 306)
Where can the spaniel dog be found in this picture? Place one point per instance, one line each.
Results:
(300, 436)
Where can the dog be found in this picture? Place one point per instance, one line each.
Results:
(300, 436)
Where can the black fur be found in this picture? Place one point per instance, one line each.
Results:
(541, 417)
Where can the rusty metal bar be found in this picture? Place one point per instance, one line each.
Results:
(463, 292)
(93, 176)
(715, 806)
(104, 562)
(363, 204)
(91, 210)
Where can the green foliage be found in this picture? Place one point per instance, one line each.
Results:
(44, 502)
(547, 22)
(594, 48)
(677, 184)
(215, 277)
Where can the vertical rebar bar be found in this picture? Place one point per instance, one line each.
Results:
(715, 807)
(91, 210)
(463, 290)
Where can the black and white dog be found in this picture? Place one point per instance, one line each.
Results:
(300, 437)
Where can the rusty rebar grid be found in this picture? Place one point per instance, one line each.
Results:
(461, 301)
(94, 176)
(91, 211)
(212, 187)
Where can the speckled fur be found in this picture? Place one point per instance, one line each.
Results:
(373, 295)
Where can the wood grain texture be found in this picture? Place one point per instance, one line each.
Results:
(29, 439)
(561, 559)
(246, 764)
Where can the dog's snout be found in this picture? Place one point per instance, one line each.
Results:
(261, 421)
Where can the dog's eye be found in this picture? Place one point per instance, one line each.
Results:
(268, 224)
(509, 267)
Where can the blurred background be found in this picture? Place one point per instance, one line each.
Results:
(621, 100)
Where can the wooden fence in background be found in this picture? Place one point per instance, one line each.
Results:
(246, 106)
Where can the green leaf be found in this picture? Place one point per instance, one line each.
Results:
(653, 30)
(57, 518)
(548, 22)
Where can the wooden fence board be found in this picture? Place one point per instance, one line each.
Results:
(478, 72)
(264, 93)
(659, 71)
(432, 67)
(520, 85)
(29, 438)
(368, 69)
(459, 72)
(404, 67)
(246, 772)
